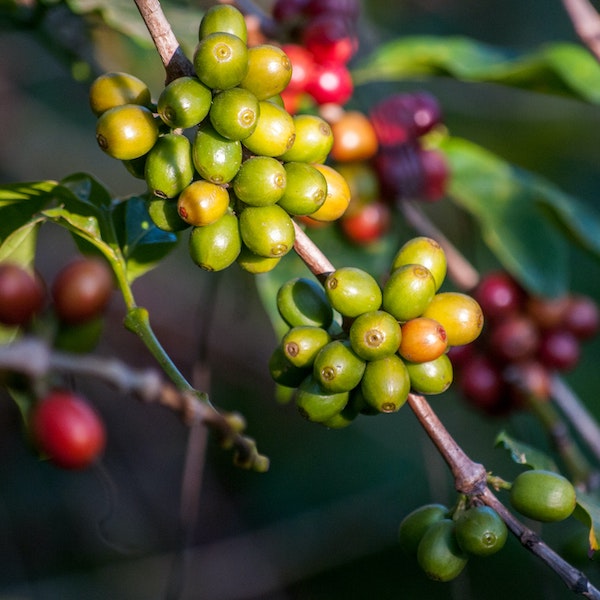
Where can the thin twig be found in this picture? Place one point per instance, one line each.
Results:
(586, 23)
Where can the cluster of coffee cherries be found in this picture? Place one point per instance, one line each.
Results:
(442, 539)
(219, 152)
(354, 346)
(62, 425)
(321, 40)
(527, 338)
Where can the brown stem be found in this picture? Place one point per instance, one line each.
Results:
(171, 54)
(312, 256)
(586, 23)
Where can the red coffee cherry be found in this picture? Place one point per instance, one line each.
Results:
(367, 223)
(498, 295)
(559, 349)
(481, 383)
(21, 295)
(331, 82)
(514, 338)
(435, 174)
(582, 317)
(330, 38)
(67, 429)
(82, 290)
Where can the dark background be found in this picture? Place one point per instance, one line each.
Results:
(322, 523)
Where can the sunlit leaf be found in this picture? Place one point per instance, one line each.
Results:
(509, 205)
(560, 68)
(524, 454)
(35, 193)
(587, 511)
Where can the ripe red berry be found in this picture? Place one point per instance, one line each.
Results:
(21, 295)
(303, 64)
(331, 82)
(435, 174)
(559, 349)
(481, 382)
(67, 429)
(582, 317)
(367, 223)
(82, 290)
(514, 338)
(330, 38)
(499, 295)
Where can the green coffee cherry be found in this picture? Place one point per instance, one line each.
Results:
(216, 246)
(269, 71)
(337, 367)
(260, 181)
(352, 291)
(414, 525)
(375, 334)
(408, 291)
(115, 89)
(267, 230)
(216, 158)
(426, 252)
(543, 495)
(283, 372)
(313, 141)
(431, 377)
(302, 301)
(136, 166)
(184, 102)
(439, 554)
(253, 263)
(221, 60)
(126, 132)
(225, 18)
(317, 404)
(202, 203)
(274, 133)
(165, 215)
(305, 191)
(234, 113)
(385, 383)
(169, 168)
(479, 530)
(301, 344)
(342, 419)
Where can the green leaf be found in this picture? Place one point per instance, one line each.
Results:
(587, 511)
(524, 454)
(142, 243)
(509, 205)
(35, 193)
(561, 68)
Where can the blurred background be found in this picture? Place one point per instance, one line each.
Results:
(322, 522)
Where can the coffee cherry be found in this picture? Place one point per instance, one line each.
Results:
(274, 133)
(423, 251)
(352, 291)
(499, 295)
(169, 168)
(354, 137)
(82, 290)
(482, 384)
(184, 102)
(253, 263)
(330, 38)
(221, 60)
(269, 71)
(67, 429)
(21, 295)
(479, 530)
(127, 131)
(543, 495)
(337, 367)
(366, 223)
(385, 383)
(302, 344)
(215, 246)
(302, 301)
(414, 525)
(260, 181)
(330, 83)
(408, 291)
(283, 372)
(136, 166)
(165, 215)
(439, 554)
(303, 64)
(305, 191)
(338, 195)
(375, 334)
(313, 141)
(458, 314)
(341, 419)
(559, 349)
(234, 113)
(114, 89)
(434, 168)
(316, 404)
(548, 313)
(514, 338)
(216, 158)
(431, 377)
(223, 18)
(202, 203)
(267, 230)
(582, 318)
(423, 340)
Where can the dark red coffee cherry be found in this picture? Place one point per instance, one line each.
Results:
(559, 349)
(21, 294)
(582, 317)
(514, 338)
(498, 295)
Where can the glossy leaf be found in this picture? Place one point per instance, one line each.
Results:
(524, 454)
(587, 511)
(561, 68)
(509, 205)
